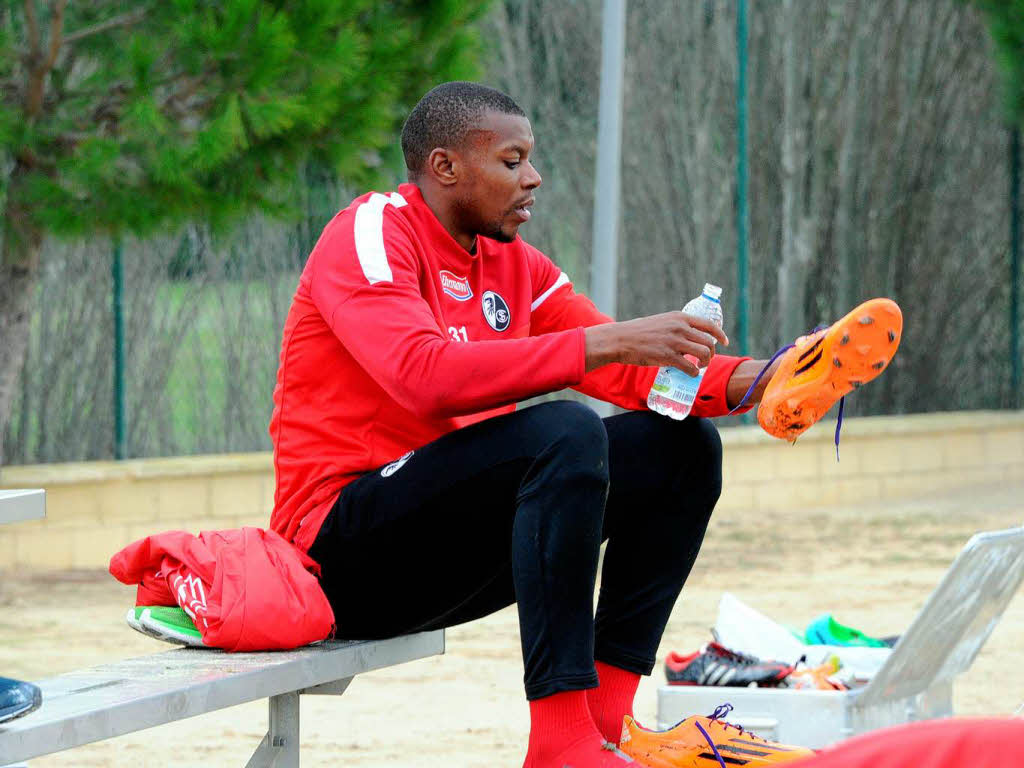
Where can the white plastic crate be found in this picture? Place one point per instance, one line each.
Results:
(808, 718)
(914, 683)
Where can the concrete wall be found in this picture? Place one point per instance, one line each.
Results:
(881, 457)
(93, 509)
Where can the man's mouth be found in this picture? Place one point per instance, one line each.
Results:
(523, 209)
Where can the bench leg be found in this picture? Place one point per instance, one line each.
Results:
(280, 747)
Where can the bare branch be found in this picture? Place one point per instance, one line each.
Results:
(32, 23)
(56, 32)
(124, 20)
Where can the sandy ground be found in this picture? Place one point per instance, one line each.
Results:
(872, 566)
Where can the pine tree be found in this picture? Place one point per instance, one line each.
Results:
(125, 116)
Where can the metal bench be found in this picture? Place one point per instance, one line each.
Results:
(131, 695)
(22, 504)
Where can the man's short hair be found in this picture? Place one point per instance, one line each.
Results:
(444, 116)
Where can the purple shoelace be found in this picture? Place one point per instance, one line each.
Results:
(714, 749)
(764, 370)
(720, 712)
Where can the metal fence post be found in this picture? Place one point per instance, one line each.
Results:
(1015, 394)
(118, 310)
(742, 206)
(742, 200)
(605, 257)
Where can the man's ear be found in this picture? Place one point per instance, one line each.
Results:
(444, 165)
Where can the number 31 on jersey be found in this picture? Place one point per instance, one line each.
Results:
(458, 334)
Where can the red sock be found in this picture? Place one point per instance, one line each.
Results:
(563, 733)
(612, 699)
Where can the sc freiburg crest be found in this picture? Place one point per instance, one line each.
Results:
(495, 311)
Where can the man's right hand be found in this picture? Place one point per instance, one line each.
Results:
(656, 340)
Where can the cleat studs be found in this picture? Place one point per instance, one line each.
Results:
(837, 362)
(845, 339)
(879, 365)
(856, 384)
(866, 320)
(892, 336)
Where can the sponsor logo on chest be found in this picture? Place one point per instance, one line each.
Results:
(496, 311)
(455, 286)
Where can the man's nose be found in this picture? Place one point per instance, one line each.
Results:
(532, 179)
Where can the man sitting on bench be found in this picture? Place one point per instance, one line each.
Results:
(405, 471)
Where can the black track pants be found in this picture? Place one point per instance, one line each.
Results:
(512, 510)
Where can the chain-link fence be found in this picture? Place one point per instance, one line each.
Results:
(896, 185)
(203, 314)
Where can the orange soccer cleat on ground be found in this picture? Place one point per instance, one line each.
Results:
(704, 742)
(823, 366)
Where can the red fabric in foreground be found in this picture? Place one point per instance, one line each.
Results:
(247, 588)
(947, 743)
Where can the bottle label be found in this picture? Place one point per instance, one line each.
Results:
(674, 392)
(678, 386)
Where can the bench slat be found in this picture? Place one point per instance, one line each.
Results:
(22, 504)
(134, 694)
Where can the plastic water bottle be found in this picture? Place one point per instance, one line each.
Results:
(674, 391)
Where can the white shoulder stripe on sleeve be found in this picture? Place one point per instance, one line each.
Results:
(369, 236)
(562, 280)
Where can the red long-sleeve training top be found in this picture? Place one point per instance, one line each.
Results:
(397, 335)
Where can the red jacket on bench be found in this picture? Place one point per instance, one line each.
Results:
(247, 589)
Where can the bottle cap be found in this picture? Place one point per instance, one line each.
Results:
(712, 291)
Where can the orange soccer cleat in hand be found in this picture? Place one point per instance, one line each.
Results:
(823, 366)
